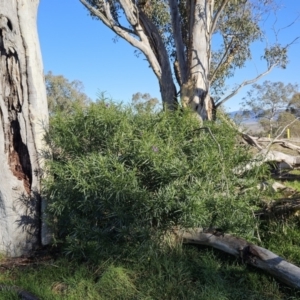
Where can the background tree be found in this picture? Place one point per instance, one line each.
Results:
(294, 105)
(23, 112)
(62, 94)
(176, 39)
(144, 102)
(286, 118)
(269, 103)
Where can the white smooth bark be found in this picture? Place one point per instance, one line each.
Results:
(284, 161)
(136, 38)
(195, 92)
(23, 113)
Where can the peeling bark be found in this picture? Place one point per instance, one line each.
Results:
(23, 108)
(18, 156)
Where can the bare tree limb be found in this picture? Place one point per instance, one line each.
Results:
(246, 82)
(276, 32)
(217, 17)
(251, 141)
(282, 207)
(282, 143)
(96, 13)
(223, 61)
(130, 11)
(142, 44)
(281, 132)
(227, 57)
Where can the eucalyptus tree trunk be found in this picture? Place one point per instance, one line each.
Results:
(165, 77)
(23, 111)
(196, 84)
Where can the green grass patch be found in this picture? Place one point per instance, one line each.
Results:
(166, 273)
(295, 184)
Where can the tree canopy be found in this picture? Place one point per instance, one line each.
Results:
(294, 105)
(144, 101)
(177, 37)
(272, 103)
(62, 93)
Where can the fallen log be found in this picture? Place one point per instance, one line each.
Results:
(284, 161)
(282, 143)
(249, 253)
(251, 140)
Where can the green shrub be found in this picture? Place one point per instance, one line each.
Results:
(123, 175)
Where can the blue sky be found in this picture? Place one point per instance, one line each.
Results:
(78, 47)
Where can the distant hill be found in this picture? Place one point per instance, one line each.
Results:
(238, 114)
(249, 123)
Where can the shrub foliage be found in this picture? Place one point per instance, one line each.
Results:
(121, 175)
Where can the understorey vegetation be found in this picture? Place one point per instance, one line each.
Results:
(120, 181)
(121, 176)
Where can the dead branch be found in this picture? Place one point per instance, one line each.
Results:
(251, 140)
(282, 143)
(284, 161)
(283, 207)
(251, 254)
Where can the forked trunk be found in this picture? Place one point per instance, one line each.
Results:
(23, 111)
(199, 100)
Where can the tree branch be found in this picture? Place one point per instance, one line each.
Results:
(142, 44)
(217, 17)
(246, 82)
(130, 11)
(227, 58)
(223, 62)
(284, 161)
(96, 13)
(180, 54)
(281, 132)
(251, 141)
(282, 143)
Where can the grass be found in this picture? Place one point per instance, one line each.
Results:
(295, 184)
(181, 272)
